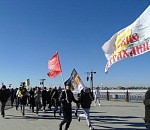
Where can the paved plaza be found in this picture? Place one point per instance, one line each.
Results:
(112, 115)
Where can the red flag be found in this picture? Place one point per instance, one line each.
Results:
(54, 66)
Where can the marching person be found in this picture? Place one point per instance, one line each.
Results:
(147, 109)
(18, 93)
(37, 96)
(12, 96)
(49, 102)
(44, 98)
(66, 98)
(4, 95)
(86, 99)
(32, 101)
(55, 99)
(23, 99)
(97, 96)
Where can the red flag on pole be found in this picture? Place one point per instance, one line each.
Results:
(54, 66)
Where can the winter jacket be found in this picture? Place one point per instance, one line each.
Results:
(66, 105)
(85, 99)
(147, 106)
(4, 95)
(37, 96)
(23, 97)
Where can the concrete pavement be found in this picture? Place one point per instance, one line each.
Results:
(112, 115)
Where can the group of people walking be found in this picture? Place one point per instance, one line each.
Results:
(37, 99)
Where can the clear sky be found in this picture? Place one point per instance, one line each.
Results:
(31, 31)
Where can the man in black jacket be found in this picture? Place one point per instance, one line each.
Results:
(86, 98)
(147, 109)
(4, 95)
(66, 98)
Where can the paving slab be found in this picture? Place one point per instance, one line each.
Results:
(112, 115)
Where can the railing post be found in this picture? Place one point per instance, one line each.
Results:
(127, 96)
(107, 95)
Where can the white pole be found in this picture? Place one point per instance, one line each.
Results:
(64, 87)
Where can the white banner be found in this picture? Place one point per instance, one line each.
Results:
(131, 41)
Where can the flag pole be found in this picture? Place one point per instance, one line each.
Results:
(64, 84)
(64, 87)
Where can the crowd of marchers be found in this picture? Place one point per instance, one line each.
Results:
(55, 99)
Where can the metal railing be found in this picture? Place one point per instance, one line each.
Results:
(122, 95)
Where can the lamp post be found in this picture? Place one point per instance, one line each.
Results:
(90, 74)
(10, 85)
(42, 82)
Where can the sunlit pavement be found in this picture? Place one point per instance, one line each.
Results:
(115, 115)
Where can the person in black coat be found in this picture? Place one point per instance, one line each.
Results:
(49, 102)
(66, 98)
(32, 101)
(44, 98)
(12, 96)
(23, 99)
(147, 109)
(86, 98)
(55, 99)
(4, 95)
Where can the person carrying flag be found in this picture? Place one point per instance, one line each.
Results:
(66, 98)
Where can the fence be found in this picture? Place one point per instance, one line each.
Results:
(122, 95)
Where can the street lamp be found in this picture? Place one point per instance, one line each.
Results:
(10, 85)
(42, 82)
(90, 74)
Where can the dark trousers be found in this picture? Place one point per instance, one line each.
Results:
(12, 101)
(23, 109)
(67, 118)
(17, 102)
(32, 104)
(38, 106)
(44, 104)
(3, 104)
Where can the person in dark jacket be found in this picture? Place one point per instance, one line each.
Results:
(66, 98)
(147, 109)
(44, 98)
(32, 101)
(85, 98)
(55, 99)
(12, 96)
(49, 102)
(4, 95)
(37, 99)
(23, 99)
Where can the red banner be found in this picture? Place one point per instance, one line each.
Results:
(54, 66)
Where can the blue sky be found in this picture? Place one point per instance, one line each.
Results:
(31, 31)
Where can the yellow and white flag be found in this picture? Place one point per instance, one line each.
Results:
(131, 41)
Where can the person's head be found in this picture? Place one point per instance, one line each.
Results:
(97, 87)
(24, 89)
(86, 90)
(37, 88)
(3, 87)
(68, 87)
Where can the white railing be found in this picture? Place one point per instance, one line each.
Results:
(124, 95)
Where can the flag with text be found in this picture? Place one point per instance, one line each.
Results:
(131, 41)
